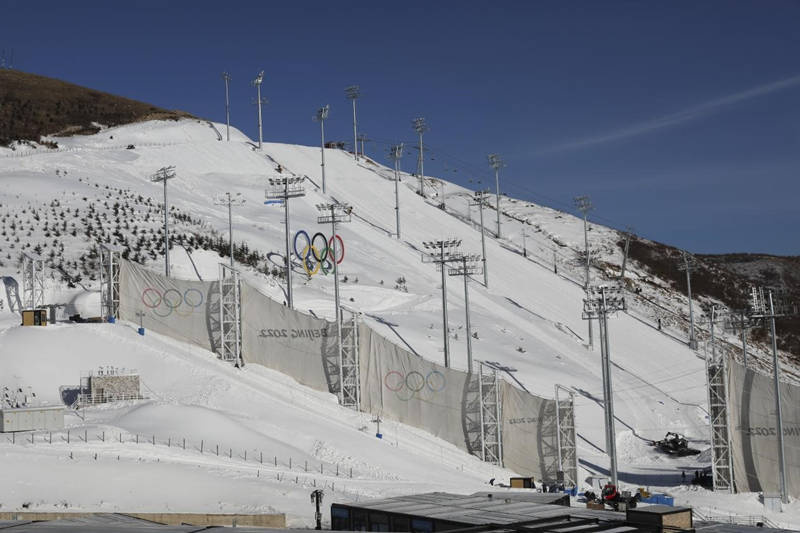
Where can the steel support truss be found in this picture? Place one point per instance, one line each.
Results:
(32, 281)
(109, 281)
(230, 316)
(565, 433)
(721, 467)
(349, 373)
(491, 416)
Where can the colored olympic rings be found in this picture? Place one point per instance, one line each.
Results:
(414, 384)
(172, 300)
(318, 254)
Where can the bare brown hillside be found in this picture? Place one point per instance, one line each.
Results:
(32, 106)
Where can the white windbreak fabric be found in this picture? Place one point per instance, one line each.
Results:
(405, 387)
(178, 308)
(754, 441)
(286, 340)
(526, 440)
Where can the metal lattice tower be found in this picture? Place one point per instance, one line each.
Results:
(420, 127)
(284, 188)
(230, 315)
(395, 154)
(467, 266)
(496, 163)
(165, 174)
(687, 263)
(350, 377)
(321, 117)
(567, 448)
(227, 78)
(598, 304)
(442, 252)
(336, 213)
(229, 200)
(257, 84)
(32, 281)
(353, 92)
(109, 281)
(717, 377)
(491, 416)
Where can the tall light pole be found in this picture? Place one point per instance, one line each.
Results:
(480, 199)
(321, 116)
(442, 252)
(687, 264)
(283, 188)
(163, 174)
(362, 138)
(257, 83)
(420, 127)
(227, 78)
(353, 92)
(465, 267)
(599, 302)
(395, 153)
(230, 200)
(496, 162)
(334, 213)
(584, 205)
(769, 304)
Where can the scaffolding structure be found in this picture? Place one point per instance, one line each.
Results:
(32, 281)
(109, 281)
(565, 434)
(491, 419)
(717, 376)
(230, 316)
(350, 378)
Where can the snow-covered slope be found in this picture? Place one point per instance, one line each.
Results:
(527, 318)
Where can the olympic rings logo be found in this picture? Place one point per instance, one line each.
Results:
(317, 256)
(414, 384)
(172, 301)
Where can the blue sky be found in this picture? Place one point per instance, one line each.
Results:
(680, 119)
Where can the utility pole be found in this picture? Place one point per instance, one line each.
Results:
(770, 304)
(334, 213)
(689, 262)
(628, 233)
(420, 127)
(496, 163)
(283, 188)
(227, 78)
(599, 302)
(524, 242)
(362, 138)
(230, 201)
(465, 267)
(395, 153)
(257, 83)
(321, 116)
(584, 205)
(163, 174)
(353, 92)
(480, 199)
(442, 252)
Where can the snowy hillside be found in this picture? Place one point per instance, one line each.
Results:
(60, 203)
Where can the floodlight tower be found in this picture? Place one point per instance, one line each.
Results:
(584, 205)
(321, 116)
(353, 92)
(688, 263)
(257, 84)
(443, 252)
(230, 200)
(599, 303)
(770, 304)
(466, 267)
(227, 78)
(163, 174)
(420, 127)
(395, 153)
(283, 188)
(496, 162)
(480, 200)
(334, 213)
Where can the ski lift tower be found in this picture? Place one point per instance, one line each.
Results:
(32, 281)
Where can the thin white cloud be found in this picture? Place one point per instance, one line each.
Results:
(693, 113)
